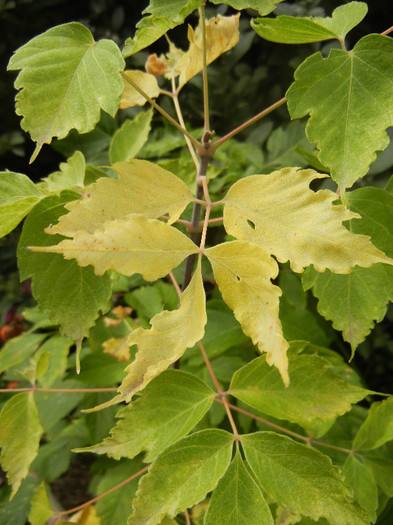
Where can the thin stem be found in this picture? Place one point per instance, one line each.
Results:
(206, 123)
(97, 498)
(217, 219)
(207, 214)
(194, 141)
(54, 390)
(387, 31)
(175, 284)
(245, 125)
(187, 517)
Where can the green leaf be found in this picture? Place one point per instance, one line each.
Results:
(264, 7)
(243, 272)
(85, 77)
(238, 499)
(71, 296)
(297, 30)
(162, 17)
(280, 213)
(19, 349)
(301, 479)
(20, 432)
(169, 407)
(354, 302)
(15, 512)
(142, 187)
(360, 479)
(314, 395)
(18, 195)
(380, 463)
(57, 348)
(129, 139)
(41, 509)
(346, 122)
(378, 427)
(182, 476)
(70, 176)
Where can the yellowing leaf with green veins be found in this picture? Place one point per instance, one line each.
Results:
(20, 432)
(283, 215)
(222, 33)
(84, 78)
(142, 187)
(70, 176)
(171, 333)
(243, 272)
(131, 245)
(131, 96)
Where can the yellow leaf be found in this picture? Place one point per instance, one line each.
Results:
(171, 333)
(142, 187)
(243, 272)
(131, 245)
(280, 213)
(222, 33)
(118, 348)
(147, 82)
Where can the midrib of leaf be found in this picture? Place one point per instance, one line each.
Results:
(345, 149)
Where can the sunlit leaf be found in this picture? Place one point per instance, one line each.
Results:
(70, 176)
(18, 195)
(238, 499)
(243, 272)
(182, 476)
(20, 432)
(349, 98)
(378, 427)
(301, 479)
(131, 96)
(283, 215)
(297, 30)
(129, 139)
(169, 407)
(84, 78)
(142, 187)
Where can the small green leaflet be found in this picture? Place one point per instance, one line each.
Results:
(169, 407)
(301, 479)
(19, 349)
(264, 7)
(20, 432)
(360, 479)
(378, 427)
(41, 508)
(70, 177)
(349, 97)
(18, 195)
(182, 475)
(297, 30)
(85, 77)
(129, 139)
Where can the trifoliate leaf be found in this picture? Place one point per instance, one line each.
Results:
(297, 30)
(171, 333)
(301, 479)
(129, 139)
(84, 78)
(238, 499)
(283, 215)
(349, 98)
(18, 195)
(71, 296)
(169, 407)
(131, 96)
(378, 427)
(142, 187)
(131, 245)
(243, 272)
(182, 476)
(315, 394)
(20, 432)
(264, 7)
(163, 16)
(70, 176)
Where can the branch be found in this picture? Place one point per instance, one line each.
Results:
(206, 123)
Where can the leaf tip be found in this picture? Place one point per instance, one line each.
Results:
(35, 152)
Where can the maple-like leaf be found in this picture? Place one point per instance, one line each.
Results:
(283, 215)
(142, 187)
(243, 272)
(147, 82)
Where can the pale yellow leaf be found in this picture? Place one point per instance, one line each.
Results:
(142, 187)
(118, 348)
(131, 245)
(171, 333)
(147, 82)
(222, 33)
(283, 215)
(243, 272)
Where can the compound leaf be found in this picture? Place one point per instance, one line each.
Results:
(70, 176)
(349, 97)
(18, 195)
(142, 187)
(169, 407)
(297, 30)
(129, 139)
(20, 432)
(315, 395)
(301, 479)
(377, 428)
(84, 78)
(243, 272)
(283, 215)
(238, 499)
(182, 475)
